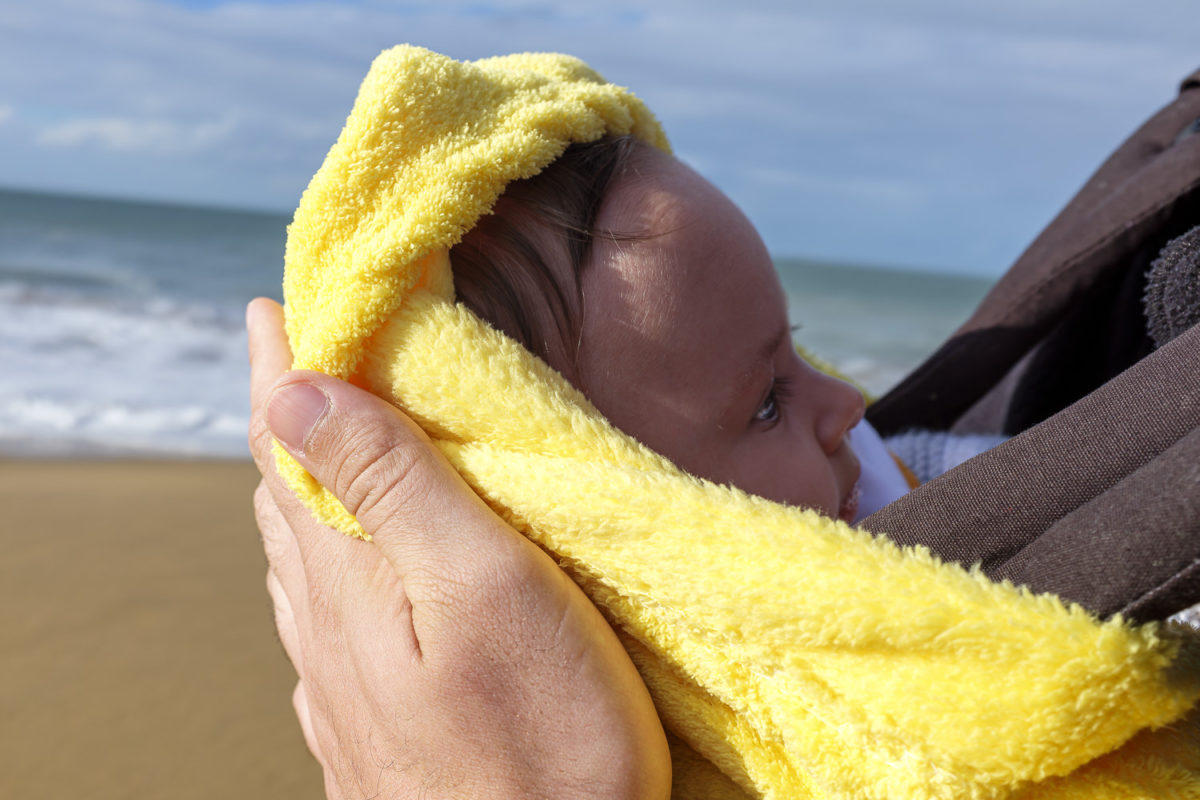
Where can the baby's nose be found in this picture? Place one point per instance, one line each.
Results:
(842, 407)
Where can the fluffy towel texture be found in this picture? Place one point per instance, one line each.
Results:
(790, 655)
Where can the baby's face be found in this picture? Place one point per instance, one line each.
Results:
(686, 346)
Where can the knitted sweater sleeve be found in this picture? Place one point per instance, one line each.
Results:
(930, 453)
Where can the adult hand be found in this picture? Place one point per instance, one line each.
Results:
(449, 657)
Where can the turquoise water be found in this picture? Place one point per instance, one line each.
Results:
(121, 323)
(875, 324)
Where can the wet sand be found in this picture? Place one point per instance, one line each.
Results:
(137, 653)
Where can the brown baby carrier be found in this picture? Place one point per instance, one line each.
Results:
(1087, 352)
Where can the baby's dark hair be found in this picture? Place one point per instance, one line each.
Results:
(509, 268)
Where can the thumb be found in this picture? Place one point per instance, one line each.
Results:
(386, 472)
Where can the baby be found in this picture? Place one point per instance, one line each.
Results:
(651, 292)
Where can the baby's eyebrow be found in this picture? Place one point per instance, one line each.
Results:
(736, 404)
(767, 351)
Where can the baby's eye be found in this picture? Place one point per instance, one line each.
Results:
(769, 410)
(772, 406)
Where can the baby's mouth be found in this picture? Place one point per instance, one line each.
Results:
(848, 513)
(849, 509)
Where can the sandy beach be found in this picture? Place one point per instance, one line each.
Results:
(137, 652)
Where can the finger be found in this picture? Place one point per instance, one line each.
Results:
(304, 715)
(285, 623)
(269, 351)
(283, 553)
(270, 357)
(332, 589)
(386, 472)
(325, 582)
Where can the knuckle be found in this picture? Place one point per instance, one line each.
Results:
(271, 527)
(264, 502)
(286, 625)
(375, 485)
(276, 592)
(299, 700)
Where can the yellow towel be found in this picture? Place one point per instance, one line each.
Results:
(790, 655)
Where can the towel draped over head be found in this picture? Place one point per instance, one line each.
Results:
(789, 655)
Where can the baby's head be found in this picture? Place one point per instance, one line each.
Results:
(649, 290)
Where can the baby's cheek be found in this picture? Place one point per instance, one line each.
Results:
(781, 469)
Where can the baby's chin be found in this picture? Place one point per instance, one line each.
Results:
(848, 513)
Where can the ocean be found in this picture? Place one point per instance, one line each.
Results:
(121, 323)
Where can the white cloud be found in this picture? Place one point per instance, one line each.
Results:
(138, 136)
(6, 113)
(911, 105)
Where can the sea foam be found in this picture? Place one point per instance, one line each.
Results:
(121, 324)
(84, 375)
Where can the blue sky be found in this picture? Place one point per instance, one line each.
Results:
(930, 133)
